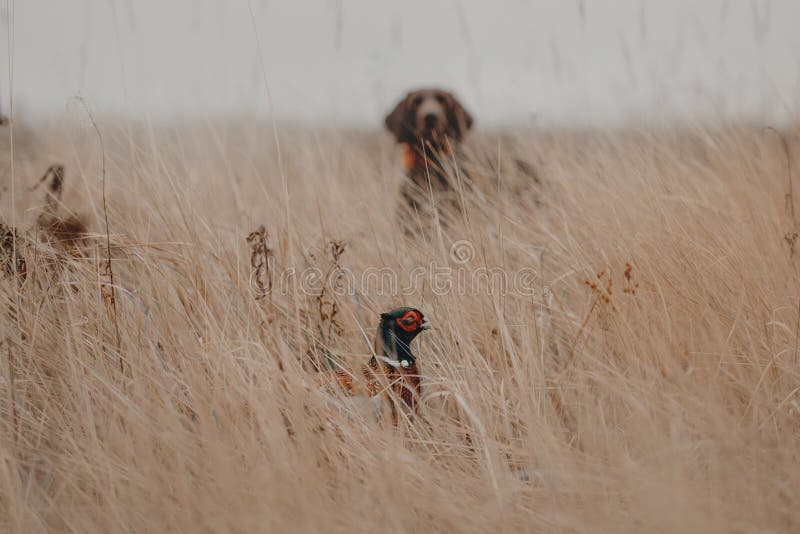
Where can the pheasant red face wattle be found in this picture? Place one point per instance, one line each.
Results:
(411, 321)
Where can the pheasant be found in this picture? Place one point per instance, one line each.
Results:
(392, 368)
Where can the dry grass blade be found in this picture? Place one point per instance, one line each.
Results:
(619, 355)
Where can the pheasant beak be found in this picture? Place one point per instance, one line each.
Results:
(425, 325)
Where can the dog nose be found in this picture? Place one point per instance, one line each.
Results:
(430, 119)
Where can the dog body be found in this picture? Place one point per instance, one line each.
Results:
(429, 125)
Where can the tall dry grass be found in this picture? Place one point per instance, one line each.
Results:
(650, 382)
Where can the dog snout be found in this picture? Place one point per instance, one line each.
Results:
(430, 114)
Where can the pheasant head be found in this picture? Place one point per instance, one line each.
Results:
(396, 330)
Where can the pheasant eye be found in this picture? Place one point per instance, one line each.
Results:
(409, 322)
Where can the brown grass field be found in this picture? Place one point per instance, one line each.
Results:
(644, 379)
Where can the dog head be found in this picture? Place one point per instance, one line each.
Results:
(430, 115)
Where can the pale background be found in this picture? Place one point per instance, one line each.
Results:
(345, 62)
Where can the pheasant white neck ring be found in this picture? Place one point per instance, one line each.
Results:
(394, 363)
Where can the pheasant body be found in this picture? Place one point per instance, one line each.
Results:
(408, 386)
(393, 367)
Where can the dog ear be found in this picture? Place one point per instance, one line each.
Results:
(399, 121)
(460, 120)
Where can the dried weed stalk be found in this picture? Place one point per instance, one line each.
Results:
(108, 290)
(791, 236)
(603, 297)
(329, 327)
(12, 261)
(261, 257)
(630, 286)
(327, 306)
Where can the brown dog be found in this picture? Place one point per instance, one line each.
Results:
(429, 124)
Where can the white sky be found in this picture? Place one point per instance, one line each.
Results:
(347, 61)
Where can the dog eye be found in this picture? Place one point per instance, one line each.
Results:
(440, 98)
(417, 101)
